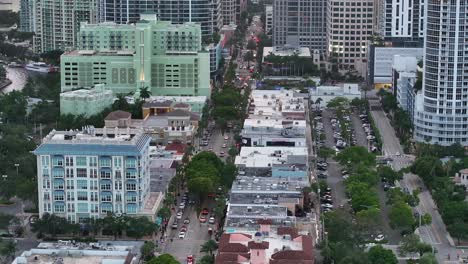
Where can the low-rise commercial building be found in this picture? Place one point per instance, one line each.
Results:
(86, 102)
(327, 93)
(273, 132)
(284, 51)
(276, 104)
(260, 160)
(68, 252)
(266, 246)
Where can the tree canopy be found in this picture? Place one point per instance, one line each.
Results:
(380, 255)
(163, 259)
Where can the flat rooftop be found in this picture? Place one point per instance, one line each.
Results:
(274, 123)
(257, 211)
(94, 141)
(262, 157)
(249, 184)
(286, 51)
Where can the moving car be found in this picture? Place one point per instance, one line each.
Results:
(205, 211)
(175, 225)
(182, 205)
(190, 259)
(379, 238)
(226, 137)
(187, 221)
(202, 219)
(179, 215)
(211, 220)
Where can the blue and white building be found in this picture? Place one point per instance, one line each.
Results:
(93, 172)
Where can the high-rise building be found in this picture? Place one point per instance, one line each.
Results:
(207, 13)
(27, 16)
(300, 23)
(124, 11)
(404, 20)
(350, 26)
(57, 22)
(90, 173)
(228, 12)
(441, 110)
(268, 19)
(166, 58)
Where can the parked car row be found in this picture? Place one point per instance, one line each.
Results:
(326, 201)
(369, 132)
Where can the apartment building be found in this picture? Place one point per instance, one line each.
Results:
(90, 173)
(405, 77)
(300, 23)
(86, 102)
(124, 11)
(57, 22)
(27, 16)
(166, 58)
(350, 26)
(441, 109)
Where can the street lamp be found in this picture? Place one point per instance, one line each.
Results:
(17, 169)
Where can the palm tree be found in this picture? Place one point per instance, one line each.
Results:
(317, 102)
(209, 247)
(145, 93)
(121, 103)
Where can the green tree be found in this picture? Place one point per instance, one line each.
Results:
(138, 227)
(386, 172)
(362, 196)
(411, 244)
(401, 216)
(369, 220)
(164, 212)
(163, 259)
(13, 106)
(428, 259)
(207, 259)
(380, 255)
(459, 230)
(356, 155)
(145, 93)
(251, 45)
(147, 250)
(325, 153)
(209, 247)
(8, 249)
(121, 103)
(338, 102)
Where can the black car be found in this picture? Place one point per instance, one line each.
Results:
(322, 176)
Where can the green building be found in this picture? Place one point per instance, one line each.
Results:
(86, 102)
(164, 57)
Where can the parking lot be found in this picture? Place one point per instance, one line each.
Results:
(356, 126)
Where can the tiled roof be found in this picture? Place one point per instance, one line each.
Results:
(166, 103)
(234, 248)
(287, 231)
(119, 114)
(261, 245)
(264, 221)
(176, 146)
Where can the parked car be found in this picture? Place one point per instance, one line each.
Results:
(379, 238)
(182, 235)
(187, 221)
(175, 225)
(211, 220)
(205, 211)
(179, 215)
(182, 205)
(202, 219)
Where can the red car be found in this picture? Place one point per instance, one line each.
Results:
(202, 219)
(190, 259)
(205, 211)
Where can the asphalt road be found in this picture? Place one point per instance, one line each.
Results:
(435, 234)
(197, 233)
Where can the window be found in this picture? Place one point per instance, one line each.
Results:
(130, 163)
(45, 161)
(118, 185)
(59, 208)
(106, 198)
(69, 173)
(130, 174)
(57, 161)
(58, 172)
(105, 174)
(93, 162)
(80, 161)
(82, 196)
(105, 186)
(59, 196)
(131, 198)
(93, 173)
(106, 208)
(105, 162)
(69, 161)
(82, 184)
(45, 172)
(81, 173)
(58, 184)
(82, 207)
(131, 186)
(117, 162)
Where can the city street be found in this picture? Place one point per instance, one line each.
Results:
(197, 233)
(435, 234)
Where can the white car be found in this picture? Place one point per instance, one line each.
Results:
(379, 238)
(211, 220)
(327, 205)
(397, 154)
(179, 215)
(226, 137)
(182, 234)
(182, 205)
